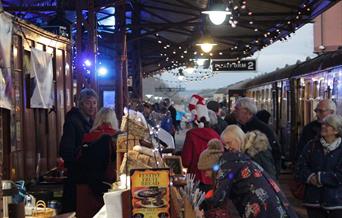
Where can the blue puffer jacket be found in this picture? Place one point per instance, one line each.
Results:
(329, 168)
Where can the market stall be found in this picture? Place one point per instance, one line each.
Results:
(151, 183)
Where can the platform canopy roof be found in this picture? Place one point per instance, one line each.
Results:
(168, 30)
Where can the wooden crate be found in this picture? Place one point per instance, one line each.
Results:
(125, 141)
(121, 149)
(134, 127)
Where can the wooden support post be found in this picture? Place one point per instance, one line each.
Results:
(136, 56)
(79, 33)
(89, 50)
(120, 62)
(92, 44)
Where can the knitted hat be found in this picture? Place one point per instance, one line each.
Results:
(211, 155)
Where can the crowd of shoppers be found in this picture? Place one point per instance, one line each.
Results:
(236, 156)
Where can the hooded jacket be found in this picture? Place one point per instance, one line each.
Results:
(253, 192)
(255, 124)
(196, 141)
(258, 148)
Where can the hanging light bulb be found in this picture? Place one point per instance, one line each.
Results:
(206, 44)
(217, 12)
(217, 17)
(207, 47)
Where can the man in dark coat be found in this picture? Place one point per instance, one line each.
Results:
(221, 124)
(312, 130)
(78, 121)
(263, 115)
(245, 110)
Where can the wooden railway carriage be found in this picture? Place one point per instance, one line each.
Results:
(291, 94)
(319, 78)
(29, 137)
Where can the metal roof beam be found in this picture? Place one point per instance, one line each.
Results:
(189, 33)
(191, 6)
(178, 24)
(270, 14)
(283, 4)
(30, 8)
(169, 10)
(157, 15)
(169, 4)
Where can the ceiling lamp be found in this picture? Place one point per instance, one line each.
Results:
(217, 12)
(206, 44)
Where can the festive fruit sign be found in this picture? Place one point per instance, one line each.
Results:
(150, 190)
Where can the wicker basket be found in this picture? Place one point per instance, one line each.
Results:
(41, 211)
(134, 128)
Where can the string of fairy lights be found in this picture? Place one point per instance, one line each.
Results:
(177, 57)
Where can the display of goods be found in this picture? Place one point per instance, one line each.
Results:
(134, 127)
(126, 142)
(137, 160)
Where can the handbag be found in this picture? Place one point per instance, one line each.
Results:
(297, 189)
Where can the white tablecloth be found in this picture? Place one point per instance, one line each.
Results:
(113, 205)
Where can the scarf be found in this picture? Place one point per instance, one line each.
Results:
(330, 147)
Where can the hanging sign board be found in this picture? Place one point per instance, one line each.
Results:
(150, 191)
(234, 65)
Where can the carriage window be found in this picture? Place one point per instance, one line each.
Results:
(315, 89)
(334, 88)
(307, 90)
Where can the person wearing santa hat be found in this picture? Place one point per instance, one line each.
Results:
(198, 109)
(196, 140)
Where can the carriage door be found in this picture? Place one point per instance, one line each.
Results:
(5, 145)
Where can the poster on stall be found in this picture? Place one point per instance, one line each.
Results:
(150, 191)
(6, 86)
(42, 72)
